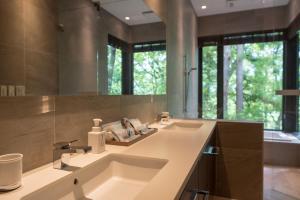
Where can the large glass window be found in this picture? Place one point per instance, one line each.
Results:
(209, 82)
(150, 72)
(252, 74)
(114, 70)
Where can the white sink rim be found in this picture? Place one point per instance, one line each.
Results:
(153, 165)
(184, 125)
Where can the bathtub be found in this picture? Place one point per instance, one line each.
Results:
(280, 137)
(281, 149)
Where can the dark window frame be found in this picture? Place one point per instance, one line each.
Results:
(127, 73)
(232, 39)
(149, 46)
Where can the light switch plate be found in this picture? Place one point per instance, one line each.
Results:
(11, 90)
(3, 89)
(20, 90)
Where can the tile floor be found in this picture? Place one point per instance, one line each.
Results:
(281, 183)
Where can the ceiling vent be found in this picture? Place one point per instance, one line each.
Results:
(150, 12)
(230, 3)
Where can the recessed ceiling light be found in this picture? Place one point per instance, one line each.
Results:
(127, 18)
(203, 7)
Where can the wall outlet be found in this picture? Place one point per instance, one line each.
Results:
(3, 90)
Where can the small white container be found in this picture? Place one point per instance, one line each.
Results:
(96, 137)
(10, 171)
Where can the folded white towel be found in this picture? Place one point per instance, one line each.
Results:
(135, 123)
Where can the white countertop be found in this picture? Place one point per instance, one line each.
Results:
(181, 149)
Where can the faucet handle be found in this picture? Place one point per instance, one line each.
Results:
(64, 145)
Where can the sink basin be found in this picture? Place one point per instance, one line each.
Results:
(186, 126)
(115, 176)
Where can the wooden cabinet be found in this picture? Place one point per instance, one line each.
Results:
(237, 171)
(203, 176)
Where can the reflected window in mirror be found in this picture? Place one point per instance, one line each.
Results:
(149, 68)
(114, 59)
(117, 59)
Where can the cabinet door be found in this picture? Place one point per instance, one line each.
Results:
(203, 176)
(207, 168)
(191, 185)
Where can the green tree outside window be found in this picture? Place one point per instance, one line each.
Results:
(150, 73)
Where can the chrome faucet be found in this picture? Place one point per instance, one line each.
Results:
(59, 162)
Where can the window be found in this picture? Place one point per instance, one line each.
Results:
(252, 74)
(240, 76)
(149, 68)
(114, 70)
(209, 82)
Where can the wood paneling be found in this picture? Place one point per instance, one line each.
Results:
(239, 172)
(282, 154)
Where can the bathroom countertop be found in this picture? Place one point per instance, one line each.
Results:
(181, 149)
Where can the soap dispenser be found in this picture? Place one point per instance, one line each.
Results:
(96, 137)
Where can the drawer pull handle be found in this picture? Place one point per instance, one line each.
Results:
(195, 194)
(211, 151)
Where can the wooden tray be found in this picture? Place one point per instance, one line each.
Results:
(154, 130)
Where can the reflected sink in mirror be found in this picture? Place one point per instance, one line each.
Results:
(186, 126)
(114, 176)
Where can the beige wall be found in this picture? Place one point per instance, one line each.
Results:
(12, 57)
(294, 10)
(78, 43)
(159, 7)
(115, 27)
(181, 56)
(30, 125)
(28, 45)
(148, 32)
(132, 34)
(245, 21)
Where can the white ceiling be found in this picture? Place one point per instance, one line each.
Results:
(129, 8)
(135, 8)
(222, 6)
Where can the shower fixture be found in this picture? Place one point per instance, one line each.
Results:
(187, 75)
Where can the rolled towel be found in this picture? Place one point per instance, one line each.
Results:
(135, 123)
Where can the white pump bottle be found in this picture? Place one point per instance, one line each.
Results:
(96, 137)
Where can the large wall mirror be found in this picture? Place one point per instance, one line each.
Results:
(81, 47)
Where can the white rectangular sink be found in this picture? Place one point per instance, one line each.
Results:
(184, 126)
(114, 176)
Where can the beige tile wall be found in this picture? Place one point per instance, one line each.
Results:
(243, 22)
(41, 50)
(30, 125)
(12, 42)
(27, 126)
(282, 154)
(28, 45)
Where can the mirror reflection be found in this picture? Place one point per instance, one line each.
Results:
(81, 47)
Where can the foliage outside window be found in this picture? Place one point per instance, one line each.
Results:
(114, 70)
(252, 74)
(209, 82)
(150, 72)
